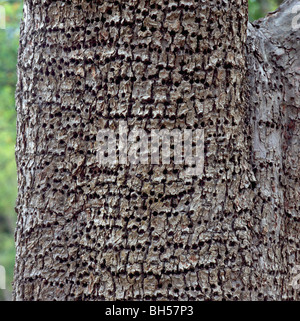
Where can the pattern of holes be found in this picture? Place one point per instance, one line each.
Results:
(86, 232)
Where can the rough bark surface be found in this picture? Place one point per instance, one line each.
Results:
(142, 232)
(274, 78)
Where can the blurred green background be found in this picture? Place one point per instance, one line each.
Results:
(9, 39)
(259, 8)
(8, 181)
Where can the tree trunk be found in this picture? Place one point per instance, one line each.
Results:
(150, 232)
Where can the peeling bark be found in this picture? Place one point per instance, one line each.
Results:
(147, 232)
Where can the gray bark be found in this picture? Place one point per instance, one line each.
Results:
(274, 74)
(142, 232)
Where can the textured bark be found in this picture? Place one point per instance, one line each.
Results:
(142, 232)
(274, 77)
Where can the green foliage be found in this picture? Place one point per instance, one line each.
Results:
(9, 39)
(259, 8)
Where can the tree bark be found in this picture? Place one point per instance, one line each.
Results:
(274, 73)
(149, 232)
